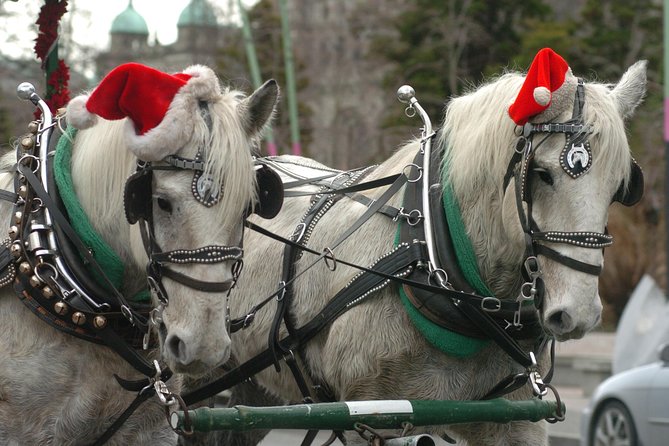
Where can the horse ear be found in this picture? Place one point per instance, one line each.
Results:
(260, 106)
(629, 92)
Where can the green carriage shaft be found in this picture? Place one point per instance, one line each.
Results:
(388, 414)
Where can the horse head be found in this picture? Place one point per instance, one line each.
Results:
(193, 186)
(570, 160)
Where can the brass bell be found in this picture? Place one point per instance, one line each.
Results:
(23, 191)
(99, 322)
(18, 216)
(61, 308)
(13, 232)
(33, 127)
(28, 142)
(25, 268)
(47, 292)
(79, 318)
(34, 281)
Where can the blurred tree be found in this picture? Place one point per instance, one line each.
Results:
(443, 46)
(6, 128)
(266, 29)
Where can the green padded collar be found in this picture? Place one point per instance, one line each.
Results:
(108, 260)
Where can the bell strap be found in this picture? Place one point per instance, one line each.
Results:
(74, 238)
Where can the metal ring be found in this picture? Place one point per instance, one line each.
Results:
(127, 313)
(414, 217)
(420, 172)
(156, 315)
(36, 204)
(528, 290)
(440, 275)
(45, 265)
(559, 415)
(332, 258)
(31, 158)
(410, 112)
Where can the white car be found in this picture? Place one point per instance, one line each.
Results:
(630, 408)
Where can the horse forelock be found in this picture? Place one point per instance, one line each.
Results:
(227, 156)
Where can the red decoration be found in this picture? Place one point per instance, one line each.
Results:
(46, 49)
(133, 90)
(546, 76)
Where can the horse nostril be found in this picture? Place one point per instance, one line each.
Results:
(177, 347)
(560, 322)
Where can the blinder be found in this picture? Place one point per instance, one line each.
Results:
(270, 192)
(137, 196)
(632, 194)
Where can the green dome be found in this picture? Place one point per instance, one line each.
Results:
(197, 13)
(130, 22)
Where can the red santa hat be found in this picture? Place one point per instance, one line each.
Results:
(548, 89)
(159, 105)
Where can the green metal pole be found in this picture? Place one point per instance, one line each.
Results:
(255, 70)
(290, 78)
(376, 414)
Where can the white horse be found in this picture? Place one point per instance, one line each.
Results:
(374, 350)
(58, 389)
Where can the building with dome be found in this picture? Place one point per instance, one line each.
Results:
(200, 38)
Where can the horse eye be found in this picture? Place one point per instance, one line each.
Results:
(544, 175)
(164, 204)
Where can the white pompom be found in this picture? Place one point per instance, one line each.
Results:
(78, 115)
(542, 96)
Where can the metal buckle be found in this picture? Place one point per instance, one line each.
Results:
(495, 306)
